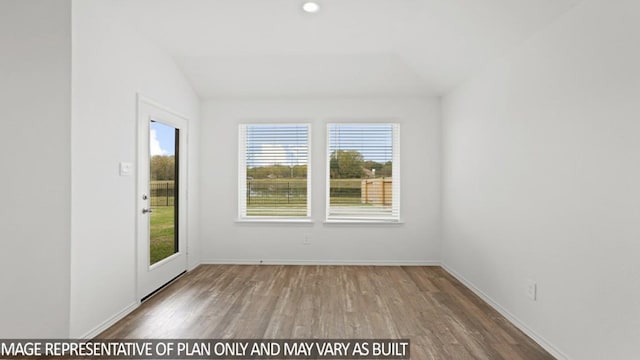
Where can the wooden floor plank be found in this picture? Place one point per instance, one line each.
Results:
(443, 318)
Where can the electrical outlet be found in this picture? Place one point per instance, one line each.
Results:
(532, 290)
(307, 239)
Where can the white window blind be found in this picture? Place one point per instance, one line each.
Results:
(273, 171)
(363, 172)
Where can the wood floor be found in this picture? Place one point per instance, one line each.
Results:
(442, 318)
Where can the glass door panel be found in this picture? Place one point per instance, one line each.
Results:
(163, 185)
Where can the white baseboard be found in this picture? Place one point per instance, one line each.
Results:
(553, 350)
(109, 322)
(321, 262)
(193, 266)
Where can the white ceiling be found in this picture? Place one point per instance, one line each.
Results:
(271, 48)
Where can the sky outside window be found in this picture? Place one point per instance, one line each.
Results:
(162, 139)
(373, 141)
(269, 145)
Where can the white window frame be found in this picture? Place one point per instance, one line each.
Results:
(394, 218)
(242, 176)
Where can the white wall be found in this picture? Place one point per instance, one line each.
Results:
(35, 157)
(541, 177)
(414, 242)
(111, 63)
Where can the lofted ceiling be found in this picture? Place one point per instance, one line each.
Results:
(271, 48)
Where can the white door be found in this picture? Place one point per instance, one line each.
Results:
(161, 192)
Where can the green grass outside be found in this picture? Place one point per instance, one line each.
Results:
(277, 203)
(302, 183)
(162, 233)
(272, 200)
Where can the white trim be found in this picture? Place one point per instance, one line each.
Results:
(242, 176)
(309, 168)
(191, 268)
(110, 321)
(363, 221)
(321, 262)
(394, 217)
(395, 173)
(164, 114)
(242, 170)
(539, 339)
(144, 99)
(285, 220)
(327, 170)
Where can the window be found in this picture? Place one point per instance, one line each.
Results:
(363, 172)
(274, 178)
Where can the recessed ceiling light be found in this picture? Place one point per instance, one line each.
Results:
(311, 7)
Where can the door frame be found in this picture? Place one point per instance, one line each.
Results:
(169, 268)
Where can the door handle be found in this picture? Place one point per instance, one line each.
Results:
(145, 211)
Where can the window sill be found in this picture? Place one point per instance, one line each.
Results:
(274, 221)
(363, 222)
